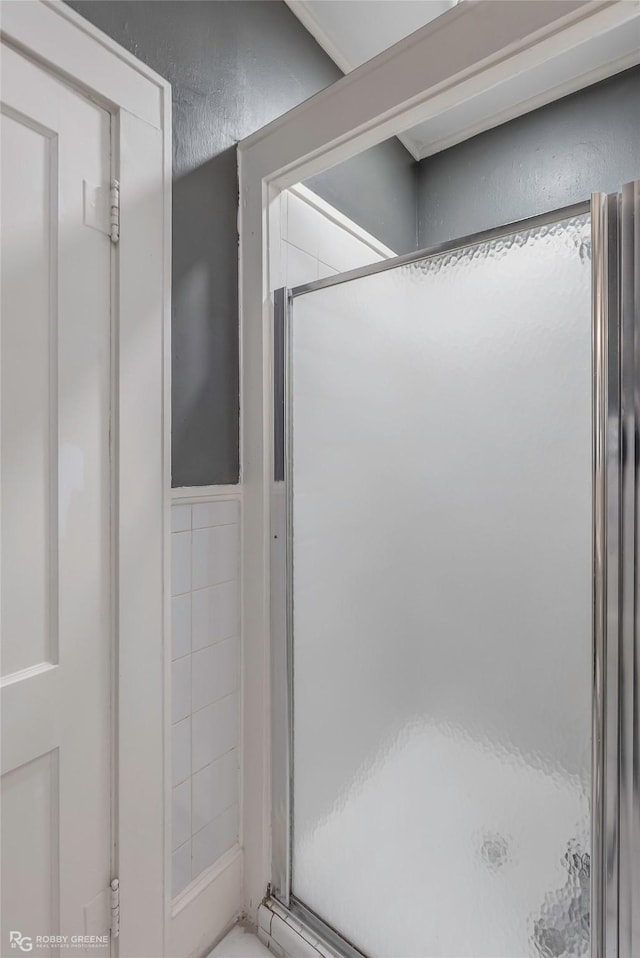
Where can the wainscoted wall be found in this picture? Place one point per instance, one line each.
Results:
(205, 678)
(316, 240)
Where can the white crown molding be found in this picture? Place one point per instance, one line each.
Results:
(300, 9)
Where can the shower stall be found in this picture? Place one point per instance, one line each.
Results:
(455, 671)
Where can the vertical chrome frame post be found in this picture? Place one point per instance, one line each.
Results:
(606, 551)
(629, 854)
(615, 907)
(281, 624)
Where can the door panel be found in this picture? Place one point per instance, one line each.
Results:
(55, 486)
(441, 494)
(29, 636)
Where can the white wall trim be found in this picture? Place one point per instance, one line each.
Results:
(459, 55)
(620, 50)
(110, 71)
(140, 105)
(300, 9)
(207, 907)
(472, 47)
(317, 203)
(198, 885)
(187, 495)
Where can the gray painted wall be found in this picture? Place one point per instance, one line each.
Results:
(555, 156)
(234, 66)
(356, 186)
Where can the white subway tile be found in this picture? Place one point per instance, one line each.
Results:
(180, 689)
(180, 518)
(214, 788)
(212, 841)
(302, 226)
(301, 268)
(284, 213)
(181, 751)
(180, 869)
(324, 271)
(180, 562)
(214, 672)
(215, 614)
(214, 732)
(215, 555)
(343, 251)
(205, 614)
(221, 513)
(181, 814)
(180, 625)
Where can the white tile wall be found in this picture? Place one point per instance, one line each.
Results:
(214, 840)
(315, 246)
(180, 868)
(181, 751)
(205, 618)
(181, 689)
(214, 614)
(181, 814)
(180, 625)
(214, 552)
(214, 788)
(214, 731)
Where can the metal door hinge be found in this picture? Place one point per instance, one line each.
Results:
(115, 908)
(114, 218)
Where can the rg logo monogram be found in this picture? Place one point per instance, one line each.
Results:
(20, 941)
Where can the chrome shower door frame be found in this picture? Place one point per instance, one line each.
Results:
(615, 863)
(615, 907)
(628, 279)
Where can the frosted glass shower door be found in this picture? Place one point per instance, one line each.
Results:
(440, 484)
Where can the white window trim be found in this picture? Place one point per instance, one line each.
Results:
(464, 52)
(140, 105)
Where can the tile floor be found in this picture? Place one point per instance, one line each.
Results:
(240, 943)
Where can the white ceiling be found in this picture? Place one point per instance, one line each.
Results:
(354, 31)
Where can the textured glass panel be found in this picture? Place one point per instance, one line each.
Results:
(442, 487)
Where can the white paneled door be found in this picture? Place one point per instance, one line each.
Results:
(56, 619)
